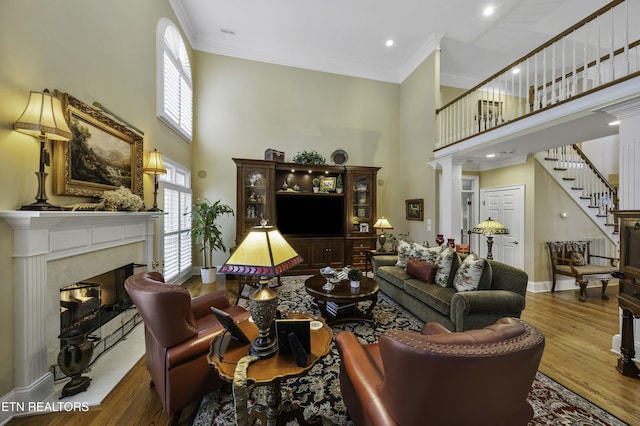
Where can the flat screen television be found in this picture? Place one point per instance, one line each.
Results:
(310, 216)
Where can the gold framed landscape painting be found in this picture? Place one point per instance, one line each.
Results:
(102, 154)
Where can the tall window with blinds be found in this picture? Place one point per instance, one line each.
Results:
(174, 82)
(176, 225)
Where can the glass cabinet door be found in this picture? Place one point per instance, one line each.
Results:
(255, 202)
(361, 219)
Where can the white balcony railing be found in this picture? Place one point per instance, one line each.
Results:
(599, 51)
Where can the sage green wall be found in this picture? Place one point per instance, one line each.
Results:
(96, 51)
(517, 175)
(544, 201)
(419, 96)
(448, 93)
(245, 107)
(551, 200)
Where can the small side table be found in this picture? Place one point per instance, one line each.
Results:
(269, 372)
(368, 254)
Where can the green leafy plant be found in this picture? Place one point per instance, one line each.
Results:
(204, 229)
(354, 274)
(309, 157)
(315, 182)
(339, 183)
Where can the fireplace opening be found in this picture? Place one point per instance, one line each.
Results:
(93, 302)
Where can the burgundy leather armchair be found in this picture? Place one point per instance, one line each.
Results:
(178, 333)
(475, 377)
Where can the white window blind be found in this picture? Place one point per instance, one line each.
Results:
(177, 232)
(175, 187)
(175, 84)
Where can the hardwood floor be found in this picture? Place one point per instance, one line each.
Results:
(577, 355)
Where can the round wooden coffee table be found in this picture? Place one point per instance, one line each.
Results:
(341, 303)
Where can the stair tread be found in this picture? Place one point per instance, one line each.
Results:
(577, 188)
(568, 178)
(560, 169)
(550, 159)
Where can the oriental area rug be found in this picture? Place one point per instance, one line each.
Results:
(318, 391)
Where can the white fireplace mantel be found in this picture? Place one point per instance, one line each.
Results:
(44, 236)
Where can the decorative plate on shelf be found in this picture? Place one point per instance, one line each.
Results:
(339, 157)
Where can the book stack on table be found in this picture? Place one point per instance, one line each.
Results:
(338, 310)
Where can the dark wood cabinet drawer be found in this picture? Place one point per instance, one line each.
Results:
(629, 295)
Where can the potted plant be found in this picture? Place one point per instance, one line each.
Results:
(355, 276)
(207, 234)
(316, 184)
(309, 157)
(339, 184)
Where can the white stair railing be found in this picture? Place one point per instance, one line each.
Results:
(581, 179)
(587, 57)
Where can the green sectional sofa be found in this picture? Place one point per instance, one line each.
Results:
(502, 295)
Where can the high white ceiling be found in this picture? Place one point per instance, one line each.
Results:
(348, 36)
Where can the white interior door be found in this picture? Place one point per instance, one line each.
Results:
(506, 205)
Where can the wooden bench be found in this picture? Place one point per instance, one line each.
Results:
(574, 259)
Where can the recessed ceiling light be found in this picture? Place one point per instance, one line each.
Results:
(614, 123)
(389, 43)
(488, 11)
(491, 155)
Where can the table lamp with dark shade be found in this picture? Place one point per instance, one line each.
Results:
(489, 228)
(43, 118)
(266, 254)
(155, 166)
(383, 224)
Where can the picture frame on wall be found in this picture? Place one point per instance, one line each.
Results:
(489, 113)
(364, 227)
(102, 154)
(414, 209)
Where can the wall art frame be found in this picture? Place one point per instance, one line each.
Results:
(102, 154)
(327, 183)
(415, 209)
(490, 111)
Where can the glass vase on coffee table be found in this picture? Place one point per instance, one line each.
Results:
(328, 274)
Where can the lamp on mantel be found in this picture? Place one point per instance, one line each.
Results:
(43, 118)
(155, 166)
(489, 228)
(383, 224)
(266, 254)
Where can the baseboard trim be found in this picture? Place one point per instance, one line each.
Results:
(17, 401)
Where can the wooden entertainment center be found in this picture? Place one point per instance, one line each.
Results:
(328, 227)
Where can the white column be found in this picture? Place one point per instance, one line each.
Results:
(450, 197)
(30, 268)
(628, 113)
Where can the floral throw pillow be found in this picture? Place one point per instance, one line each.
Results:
(419, 251)
(444, 262)
(431, 254)
(404, 254)
(578, 259)
(468, 275)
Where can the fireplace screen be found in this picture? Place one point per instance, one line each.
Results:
(89, 304)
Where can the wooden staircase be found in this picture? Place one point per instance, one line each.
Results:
(577, 175)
